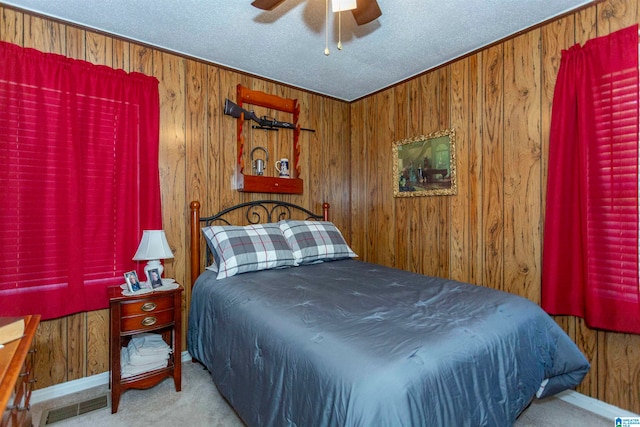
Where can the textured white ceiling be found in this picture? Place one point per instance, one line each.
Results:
(287, 44)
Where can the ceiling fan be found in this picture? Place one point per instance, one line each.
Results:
(367, 10)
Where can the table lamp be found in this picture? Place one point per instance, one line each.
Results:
(153, 247)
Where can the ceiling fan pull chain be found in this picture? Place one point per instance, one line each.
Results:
(339, 30)
(326, 29)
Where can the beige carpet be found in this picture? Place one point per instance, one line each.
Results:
(200, 404)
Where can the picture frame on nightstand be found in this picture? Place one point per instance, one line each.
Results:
(131, 279)
(154, 275)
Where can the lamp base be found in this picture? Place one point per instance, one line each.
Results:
(153, 264)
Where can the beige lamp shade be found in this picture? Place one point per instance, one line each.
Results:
(153, 247)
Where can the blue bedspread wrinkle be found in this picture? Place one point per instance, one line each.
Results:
(349, 343)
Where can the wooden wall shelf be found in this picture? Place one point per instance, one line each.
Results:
(268, 184)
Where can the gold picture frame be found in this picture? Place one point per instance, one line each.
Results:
(425, 165)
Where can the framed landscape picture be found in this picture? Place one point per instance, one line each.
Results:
(425, 165)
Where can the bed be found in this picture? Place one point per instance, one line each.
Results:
(342, 342)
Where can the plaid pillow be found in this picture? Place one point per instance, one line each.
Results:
(251, 248)
(313, 241)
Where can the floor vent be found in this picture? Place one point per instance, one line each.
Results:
(58, 414)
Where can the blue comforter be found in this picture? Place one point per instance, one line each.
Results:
(348, 343)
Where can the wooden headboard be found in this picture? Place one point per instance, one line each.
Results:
(254, 212)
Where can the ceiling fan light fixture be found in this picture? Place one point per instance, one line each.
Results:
(341, 5)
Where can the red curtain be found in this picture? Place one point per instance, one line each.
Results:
(590, 254)
(79, 179)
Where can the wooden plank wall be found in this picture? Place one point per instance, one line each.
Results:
(499, 102)
(197, 157)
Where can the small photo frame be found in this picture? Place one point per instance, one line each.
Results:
(131, 279)
(154, 277)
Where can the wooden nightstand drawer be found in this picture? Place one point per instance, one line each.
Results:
(145, 321)
(146, 306)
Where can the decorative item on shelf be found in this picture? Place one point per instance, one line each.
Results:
(259, 164)
(265, 123)
(153, 247)
(282, 166)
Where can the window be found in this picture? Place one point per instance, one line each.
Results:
(590, 256)
(78, 160)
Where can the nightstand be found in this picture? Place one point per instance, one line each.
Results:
(158, 312)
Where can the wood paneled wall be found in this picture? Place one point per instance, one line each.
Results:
(499, 103)
(197, 162)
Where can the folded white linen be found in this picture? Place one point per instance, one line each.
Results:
(139, 359)
(148, 343)
(127, 369)
(145, 352)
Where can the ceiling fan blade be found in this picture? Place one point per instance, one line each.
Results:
(367, 11)
(266, 4)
